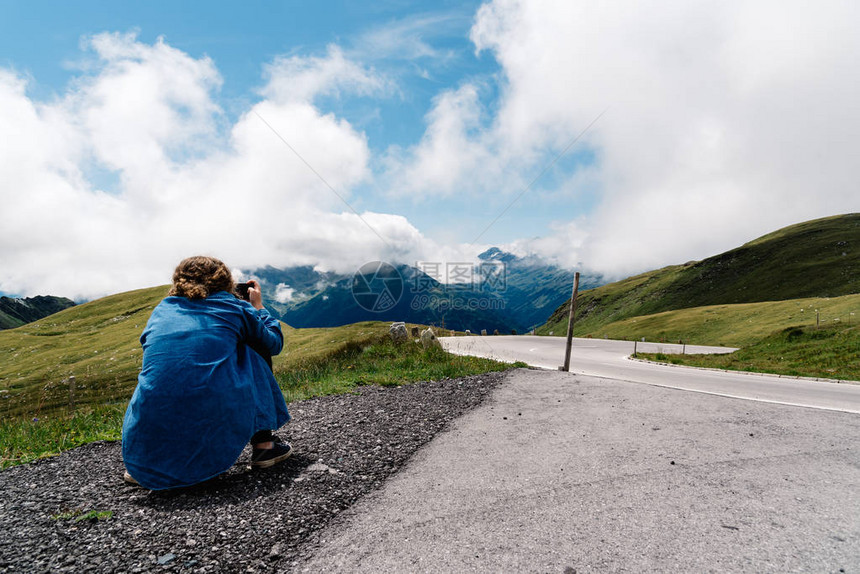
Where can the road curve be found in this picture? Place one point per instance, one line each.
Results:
(611, 359)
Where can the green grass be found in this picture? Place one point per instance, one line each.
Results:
(377, 361)
(801, 351)
(78, 515)
(27, 440)
(733, 325)
(341, 368)
(8, 321)
(98, 344)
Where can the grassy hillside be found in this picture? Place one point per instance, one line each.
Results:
(819, 258)
(734, 325)
(98, 343)
(828, 352)
(7, 321)
(329, 361)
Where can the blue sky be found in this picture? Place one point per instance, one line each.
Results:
(241, 40)
(144, 132)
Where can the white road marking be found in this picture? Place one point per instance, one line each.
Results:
(610, 360)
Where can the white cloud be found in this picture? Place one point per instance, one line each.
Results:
(405, 39)
(414, 39)
(561, 246)
(297, 78)
(148, 114)
(148, 106)
(284, 293)
(451, 152)
(725, 120)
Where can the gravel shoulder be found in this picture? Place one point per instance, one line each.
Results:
(242, 521)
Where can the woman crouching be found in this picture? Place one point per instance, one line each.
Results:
(204, 392)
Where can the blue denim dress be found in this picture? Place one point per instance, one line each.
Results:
(202, 391)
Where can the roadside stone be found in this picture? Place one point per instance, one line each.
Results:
(428, 339)
(398, 332)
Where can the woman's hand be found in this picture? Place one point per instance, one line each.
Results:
(255, 294)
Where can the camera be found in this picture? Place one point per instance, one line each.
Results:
(242, 290)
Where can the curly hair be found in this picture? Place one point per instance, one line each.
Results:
(198, 277)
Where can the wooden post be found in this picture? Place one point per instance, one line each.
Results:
(570, 320)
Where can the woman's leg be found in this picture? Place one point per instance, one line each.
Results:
(266, 451)
(262, 439)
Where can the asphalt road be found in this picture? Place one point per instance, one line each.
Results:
(563, 473)
(610, 359)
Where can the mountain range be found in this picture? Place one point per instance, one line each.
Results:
(15, 312)
(501, 292)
